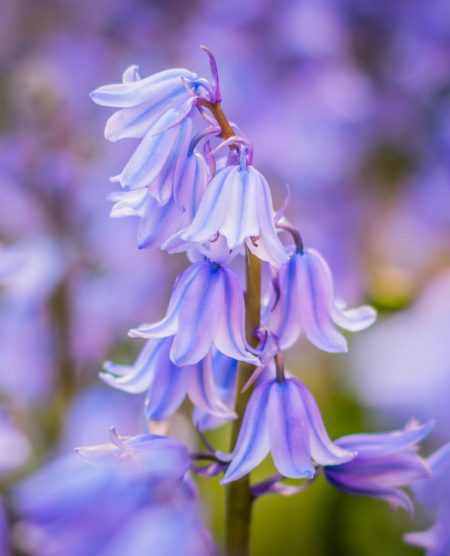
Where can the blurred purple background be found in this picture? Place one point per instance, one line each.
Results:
(347, 102)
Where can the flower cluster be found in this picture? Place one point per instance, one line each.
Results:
(190, 198)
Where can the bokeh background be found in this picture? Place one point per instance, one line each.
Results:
(347, 102)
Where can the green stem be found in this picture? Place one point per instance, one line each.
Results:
(238, 501)
(238, 495)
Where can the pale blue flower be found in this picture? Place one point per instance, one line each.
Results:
(153, 164)
(143, 101)
(307, 304)
(133, 499)
(159, 223)
(283, 418)
(206, 308)
(225, 372)
(238, 205)
(166, 383)
(384, 463)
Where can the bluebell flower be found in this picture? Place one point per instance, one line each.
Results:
(283, 418)
(434, 494)
(144, 101)
(238, 205)
(154, 163)
(224, 371)
(159, 223)
(149, 455)
(384, 463)
(308, 305)
(133, 499)
(166, 383)
(206, 308)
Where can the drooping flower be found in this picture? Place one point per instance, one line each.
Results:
(206, 308)
(434, 494)
(384, 463)
(138, 487)
(158, 223)
(238, 205)
(308, 305)
(144, 101)
(166, 383)
(224, 371)
(154, 163)
(158, 457)
(283, 418)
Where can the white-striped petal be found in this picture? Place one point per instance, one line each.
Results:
(199, 314)
(253, 442)
(204, 393)
(132, 93)
(212, 210)
(323, 449)
(230, 335)
(136, 378)
(289, 431)
(315, 291)
(168, 326)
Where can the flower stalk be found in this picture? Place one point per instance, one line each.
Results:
(239, 496)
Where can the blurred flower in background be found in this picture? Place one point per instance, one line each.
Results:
(347, 102)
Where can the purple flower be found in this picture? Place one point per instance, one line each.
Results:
(159, 223)
(137, 487)
(224, 372)
(154, 163)
(384, 463)
(434, 493)
(206, 308)
(167, 384)
(143, 101)
(238, 204)
(147, 455)
(308, 304)
(284, 419)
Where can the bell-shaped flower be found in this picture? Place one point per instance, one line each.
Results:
(144, 101)
(137, 485)
(206, 308)
(151, 455)
(166, 383)
(283, 418)
(159, 223)
(434, 494)
(384, 463)
(307, 304)
(154, 163)
(224, 371)
(238, 205)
